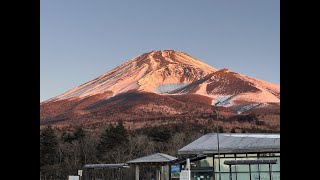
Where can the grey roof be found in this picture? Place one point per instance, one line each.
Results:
(192, 158)
(259, 161)
(153, 158)
(104, 166)
(233, 143)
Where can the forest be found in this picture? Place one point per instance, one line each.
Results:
(63, 151)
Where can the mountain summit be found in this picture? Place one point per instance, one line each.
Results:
(167, 73)
(174, 72)
(155, 71)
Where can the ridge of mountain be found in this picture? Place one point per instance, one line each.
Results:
(164, 74)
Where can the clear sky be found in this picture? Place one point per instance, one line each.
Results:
(81, 39)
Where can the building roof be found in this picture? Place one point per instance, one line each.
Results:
(153, 158)
(233, 143)
(104, 166)
(192, 158)
(259, 161)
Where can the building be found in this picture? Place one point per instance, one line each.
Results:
(239, 156)
(159, 160)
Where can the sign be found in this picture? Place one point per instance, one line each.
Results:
(73, 178)
(80, 172)
(185, 175)
(175, 170)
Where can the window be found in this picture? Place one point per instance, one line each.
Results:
(276, 167)
(242, 168)
(254, 168)
(252, 155)
(223, 167)
(243, 176)
(264, 167)
(241, 172)
(208, 162)
(224, 176)
(275, 175)
(240, 155)
(229, 155)
(264, 176)
(255, 176)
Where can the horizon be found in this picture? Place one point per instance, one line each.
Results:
(82, 40)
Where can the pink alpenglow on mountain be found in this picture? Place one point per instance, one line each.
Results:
(164, 73)
(174, 72)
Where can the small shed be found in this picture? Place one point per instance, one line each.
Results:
(159, 160)
(93, 171)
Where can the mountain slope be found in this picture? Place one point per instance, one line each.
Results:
(135, 89)
(156, 71)
(224, 84)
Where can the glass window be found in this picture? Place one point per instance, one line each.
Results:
(263, 154)
(217, 155)
(252, 155)
(208, 162)
(216, 165)
(224, 176)
(254, 168)
(251, 158)
(241, 158)
(254, 176)
(223, 167)
(229, 155)
(201, 175)
(264, 167)
(275, 175)
(234, 176)
(276, 167)
(264, 176)
(242, 168)
(240, 155)
(243, 176)
(233, 168)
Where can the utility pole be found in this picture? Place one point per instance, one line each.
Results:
(217, 129)
(188, 168)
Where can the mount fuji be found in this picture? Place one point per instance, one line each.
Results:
(160, 84)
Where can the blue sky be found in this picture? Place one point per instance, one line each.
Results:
(81, 39)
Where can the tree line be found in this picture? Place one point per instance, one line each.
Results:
(64, 152)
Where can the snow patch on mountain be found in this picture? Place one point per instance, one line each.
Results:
(166, 88)
(245, 108)
(222, 101)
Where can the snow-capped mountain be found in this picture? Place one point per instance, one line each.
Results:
(174, 72)
(164, 73)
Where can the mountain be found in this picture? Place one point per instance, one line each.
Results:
(157, 84)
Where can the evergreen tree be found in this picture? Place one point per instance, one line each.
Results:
(220, 129)
(48, 147)
(112, 138)
(233, 130)
(66, 137)
(79, 134)
(121, 133)
(105, 141)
